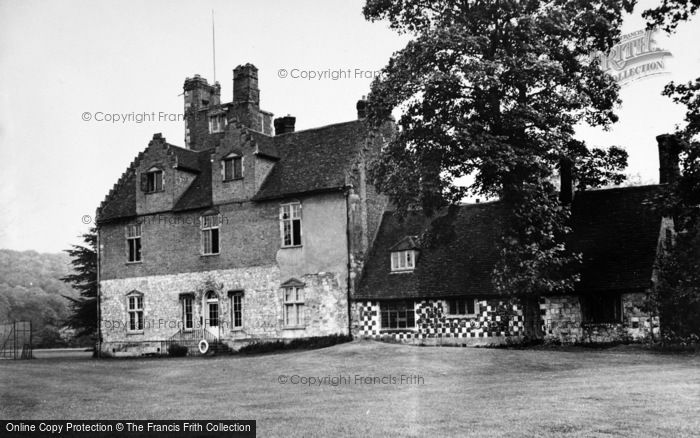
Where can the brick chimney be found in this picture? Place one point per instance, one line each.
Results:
(361, 108)
(566, 188)
(284, 125)
(246, 96)
(669, 149)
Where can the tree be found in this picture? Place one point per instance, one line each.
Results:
(677, 292)
(84, 279)
(670, 12)
(493, 90)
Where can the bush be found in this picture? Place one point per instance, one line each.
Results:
(295, 344)
(177, 350)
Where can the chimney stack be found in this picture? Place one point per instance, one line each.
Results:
(246, 97)
(566, 188)
(284, 125)
(199, 95)
(361, 108)
(669, 149)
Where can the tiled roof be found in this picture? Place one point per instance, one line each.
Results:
(314, 160)
(186, 159)
(198, 194)
(615, 230)
(617, 233)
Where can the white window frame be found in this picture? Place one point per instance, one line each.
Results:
(217, 123)
(207, 227)
(449, 310)
(289, 214)
(133, 237)
(188, 299)
(294, 303)
(232, 158)
(236, 295)
(385, 312)
(135, 312)
(402, 261)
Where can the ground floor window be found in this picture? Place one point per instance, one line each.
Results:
(135, 311)
(293, 306)
(603, 308)
(398, 315)
(187, 320)
(237, 309)
(462, 306)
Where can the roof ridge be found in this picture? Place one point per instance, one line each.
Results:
(318, 128)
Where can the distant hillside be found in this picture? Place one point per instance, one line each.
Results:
(31, 289)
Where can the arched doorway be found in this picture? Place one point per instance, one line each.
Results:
(211, 313)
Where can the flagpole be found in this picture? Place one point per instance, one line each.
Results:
(213, 43)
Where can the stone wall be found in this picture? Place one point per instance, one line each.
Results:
(325, 306)
(499, 321)
(562, 321)
(496, 322)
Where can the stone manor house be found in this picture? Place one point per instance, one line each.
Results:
(248, 235)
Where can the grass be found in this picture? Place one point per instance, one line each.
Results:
(623, 391)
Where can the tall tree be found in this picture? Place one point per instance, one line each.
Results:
(677, 293)
(669, 13)
(492, 91)
(84, 279)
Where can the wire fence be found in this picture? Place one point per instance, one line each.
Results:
(16, 340)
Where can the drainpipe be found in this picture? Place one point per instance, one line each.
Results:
(349, 246)
(97, 300)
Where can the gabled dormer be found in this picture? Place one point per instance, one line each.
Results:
(404, 254)
(163, 173)
(240, 163)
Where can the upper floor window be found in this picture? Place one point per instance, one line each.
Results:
(210, 234)
(403, 260)
(217, 123)
(462, 306)
(233, 167)
(153, 180)
(133, 242)
(134, 303)
(290, 224)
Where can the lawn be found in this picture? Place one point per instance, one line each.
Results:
(623, 391)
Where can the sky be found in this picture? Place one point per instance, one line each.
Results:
(62, 62)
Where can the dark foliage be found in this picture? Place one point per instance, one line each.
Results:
(177, 350)
(295, 344)
(492, 92)
(84, 280)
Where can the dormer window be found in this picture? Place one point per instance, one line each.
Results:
(217, 123)
(154, 180)
(403, 260)
(232, 167)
